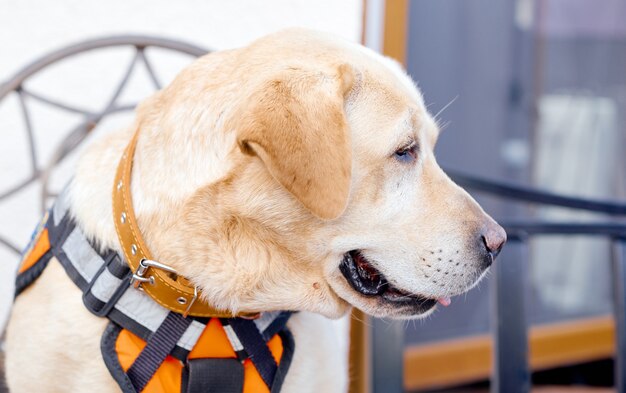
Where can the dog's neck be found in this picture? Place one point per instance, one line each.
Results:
(217, 245)
(160, 181)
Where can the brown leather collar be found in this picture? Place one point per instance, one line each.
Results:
(158, 280)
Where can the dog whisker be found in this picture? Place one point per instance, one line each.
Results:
(444, 125)
(436, 116)
(361, 320)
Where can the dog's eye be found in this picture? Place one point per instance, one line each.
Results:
(407, 154)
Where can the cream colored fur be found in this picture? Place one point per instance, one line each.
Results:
(257, 169)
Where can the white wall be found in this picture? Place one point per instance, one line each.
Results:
(31, 28)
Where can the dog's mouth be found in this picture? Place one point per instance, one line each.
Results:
(368, 281)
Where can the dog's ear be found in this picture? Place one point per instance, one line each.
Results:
(296, 124)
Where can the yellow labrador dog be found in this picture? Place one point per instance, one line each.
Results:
(296, 173)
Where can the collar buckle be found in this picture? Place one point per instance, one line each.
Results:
(139, 277)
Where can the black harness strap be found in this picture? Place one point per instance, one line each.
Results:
(24, 279)
(213, 375)
(256, 348)
(158, 346)
(277, 325)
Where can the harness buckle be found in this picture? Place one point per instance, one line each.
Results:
(138, 277)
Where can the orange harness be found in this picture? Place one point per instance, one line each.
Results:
(138, 346)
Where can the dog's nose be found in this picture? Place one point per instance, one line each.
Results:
(493, 237)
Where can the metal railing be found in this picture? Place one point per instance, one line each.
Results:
(511, 373)
(510, 333)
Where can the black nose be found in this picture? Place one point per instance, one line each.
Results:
(493, 238)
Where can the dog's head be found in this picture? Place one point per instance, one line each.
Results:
(298, 173)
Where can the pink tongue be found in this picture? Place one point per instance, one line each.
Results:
(444, 301)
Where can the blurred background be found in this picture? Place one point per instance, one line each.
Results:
(530, 92)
